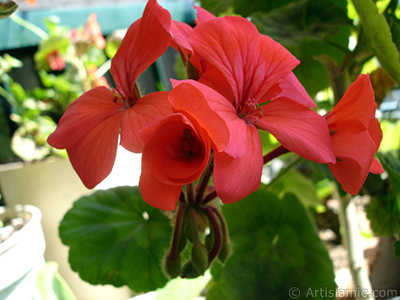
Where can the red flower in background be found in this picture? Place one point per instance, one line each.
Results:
(92, 124)
(31, 2)
(94, 31)
(56, 61)
(356, 136)
(96, 80)
(254, 73)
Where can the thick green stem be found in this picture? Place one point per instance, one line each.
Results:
(352, 241)
(177, 231)
(340, 80)
(338, 76)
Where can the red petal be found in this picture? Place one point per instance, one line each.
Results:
(144, 42)
(207, 107)
(375, 131)
(94, 155)
(148, 108)
(236, 178)
(213, 78)
(251, 63)
(163, 151)
(181, 32)
(83, 115)
(376, 167)
(358, 103)
(292, 89)
(156, 193)
(346, 174)
(203, 15)
(165, 164)
(298, 129)
(355, 155)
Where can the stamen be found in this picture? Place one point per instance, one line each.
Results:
(190, 145)
(251, 111)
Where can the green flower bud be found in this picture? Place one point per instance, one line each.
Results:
(172, 265)
(189, 271)
(200, 257)
(187, 229)
(226, 250)
(182, 243)
(210, 240)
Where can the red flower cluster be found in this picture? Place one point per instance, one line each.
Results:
(240, 82)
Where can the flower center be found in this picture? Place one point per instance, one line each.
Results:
(190, 145)
(127, 101)
(250, 111)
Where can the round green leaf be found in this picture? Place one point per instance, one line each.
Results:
(277, 252)
(116, 238)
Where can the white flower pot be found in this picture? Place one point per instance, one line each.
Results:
(52, 185)
(22, 254)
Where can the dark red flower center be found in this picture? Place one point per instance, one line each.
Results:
(250, 111)
(190, 145)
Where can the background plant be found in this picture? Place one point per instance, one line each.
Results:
(67, 62)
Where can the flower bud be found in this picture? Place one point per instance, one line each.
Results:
(182, 243)
(189, 271)
(226, 249)
(172, 265)
(200, 257)
(187, 229)
(210, 240)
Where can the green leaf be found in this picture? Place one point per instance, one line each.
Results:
(384, 214)
(242, 7)
(307, 19)
(391, 164)
(276, 249)
(299, 185)
(384, 209)
(378, 34)
(309, 29)
(116, 238)
(394, 25)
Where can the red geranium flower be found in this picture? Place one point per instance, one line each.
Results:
(91, 125)
(254, 73)
(177, 147)
(176, 152)
(356, 136)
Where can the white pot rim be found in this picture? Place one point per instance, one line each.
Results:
(24, 250)
(35, 217)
